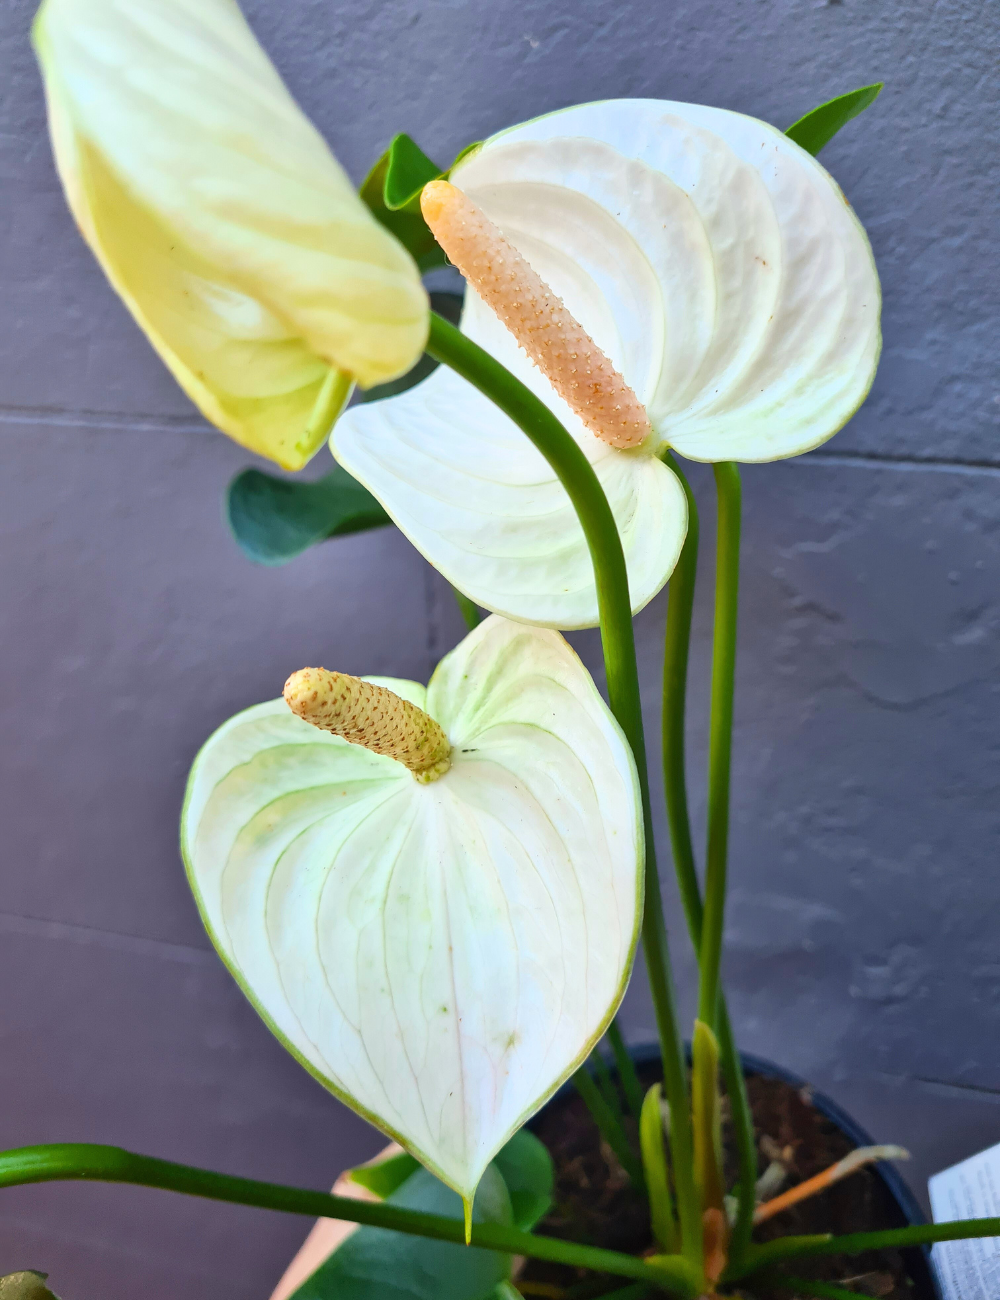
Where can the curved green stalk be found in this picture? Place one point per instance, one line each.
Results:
(676, 653)
(114, 1165)
(677, 642)
(448, 345)
(856, 1243)
(720, 744)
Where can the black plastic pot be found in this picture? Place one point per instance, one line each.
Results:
(925, 1285)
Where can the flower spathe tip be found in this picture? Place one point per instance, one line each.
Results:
(538, 318)
(371, 716)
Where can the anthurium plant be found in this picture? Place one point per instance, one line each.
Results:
(434, 894)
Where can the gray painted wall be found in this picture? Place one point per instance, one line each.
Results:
(866, 897)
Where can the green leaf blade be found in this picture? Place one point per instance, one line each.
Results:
(818, 127)
(526, 1167)
(377, 1264)
(408, 171)
(407, 225)
(274, 519)
(386, 1176)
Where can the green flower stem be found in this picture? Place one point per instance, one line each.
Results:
(606, 1120)
(113, 1165)
(609, 1090)
(677, 642)
(855, 1243)
(470, 610)
(448, 345)
(676, 652)
(627, 1076)
(720, 744)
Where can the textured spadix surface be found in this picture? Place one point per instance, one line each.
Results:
(441, 956)
(724, 274)
(221, 217)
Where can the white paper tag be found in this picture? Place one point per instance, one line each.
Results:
(968, 1270)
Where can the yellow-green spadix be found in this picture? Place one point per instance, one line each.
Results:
(222, 219)
(691, 258)
(441, 952)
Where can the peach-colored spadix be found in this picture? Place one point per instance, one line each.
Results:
(558, 345)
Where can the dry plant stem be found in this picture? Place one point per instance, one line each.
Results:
(850, 1164)
(371, 716)
(558, 345)
(450, 346)
(677, 643)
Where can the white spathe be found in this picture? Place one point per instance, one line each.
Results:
(720, 268)
(221, 217)
(441, 956)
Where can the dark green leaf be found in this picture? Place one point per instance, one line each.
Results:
(274, 519)
(819, 127)
(392, 192)
(524, 1164)
(526, 1168)
(28, 1285)
(375, 1264)
(408, 171)
(387, 1176)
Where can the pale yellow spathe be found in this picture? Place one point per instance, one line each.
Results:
(221, 217)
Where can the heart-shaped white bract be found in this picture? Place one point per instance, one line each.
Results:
(721, 270)
(440, 955)
(222, 219)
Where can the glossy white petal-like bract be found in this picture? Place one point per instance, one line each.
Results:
(441, 956)
(221, 217)
(720, 268)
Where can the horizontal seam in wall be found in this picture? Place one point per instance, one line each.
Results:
(192, 424)
(104, 420)
(977, 1090)
(971, 1091)
(869, 460)
(160, 949)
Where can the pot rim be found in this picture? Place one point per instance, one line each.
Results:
(899, 1190)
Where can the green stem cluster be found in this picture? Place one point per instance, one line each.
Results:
(448, 345)
(677, 642)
